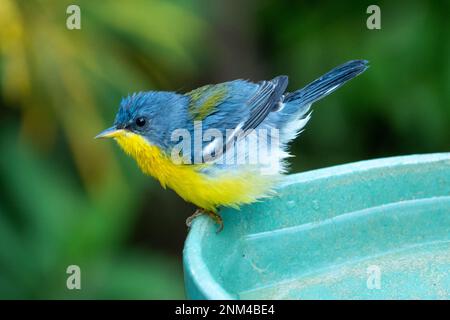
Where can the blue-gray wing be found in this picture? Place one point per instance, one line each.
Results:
(237, 106)
(268, 95)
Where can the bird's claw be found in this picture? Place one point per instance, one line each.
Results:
(214, 215)
(191, 218)
(217, 219)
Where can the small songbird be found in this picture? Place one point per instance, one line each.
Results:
(219, 168)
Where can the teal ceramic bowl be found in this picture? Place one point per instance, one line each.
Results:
(377, 229)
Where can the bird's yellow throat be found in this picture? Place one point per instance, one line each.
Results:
(207, 192)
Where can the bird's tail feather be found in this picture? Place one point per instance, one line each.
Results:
(328, 83)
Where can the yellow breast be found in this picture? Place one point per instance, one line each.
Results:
(193, 185)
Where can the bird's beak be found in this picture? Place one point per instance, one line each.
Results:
(109, 133)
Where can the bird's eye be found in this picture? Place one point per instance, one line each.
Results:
(141, 121)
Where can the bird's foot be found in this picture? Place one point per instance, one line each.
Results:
(191, 218)
(214, 215)
(217, 219)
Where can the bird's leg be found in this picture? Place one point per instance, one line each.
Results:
(214, 215)
(217, 218)
(191, 218)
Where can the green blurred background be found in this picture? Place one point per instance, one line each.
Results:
(67, 199)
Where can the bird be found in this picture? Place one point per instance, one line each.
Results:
(149, 126)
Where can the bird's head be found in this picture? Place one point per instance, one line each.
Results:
(143, 115)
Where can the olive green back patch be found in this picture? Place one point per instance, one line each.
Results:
(205, 99)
